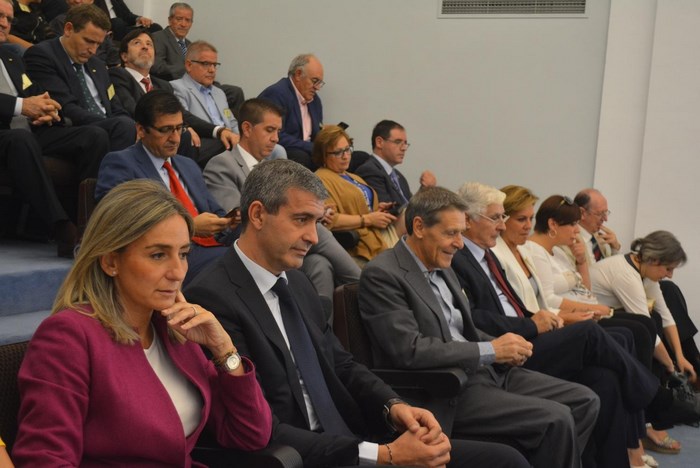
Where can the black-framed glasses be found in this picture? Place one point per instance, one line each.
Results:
(170, 129)
(398, 142)
(317, 83)
(207, 64)
(567, 200)
(497, 218)
(339, 153)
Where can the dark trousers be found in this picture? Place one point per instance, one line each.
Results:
(20, 154)
(121, 130)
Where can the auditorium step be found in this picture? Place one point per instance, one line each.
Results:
(30, 275)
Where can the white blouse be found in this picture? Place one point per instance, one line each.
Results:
(618, 284)
(517, 277)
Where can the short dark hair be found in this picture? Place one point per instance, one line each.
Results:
(269, 182)
(428, 203)
(130, 36)
(253, 110)
(559, 208)
(154, 104)
(383, 129)
(80, 15)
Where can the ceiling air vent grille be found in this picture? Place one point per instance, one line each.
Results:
(452, 8)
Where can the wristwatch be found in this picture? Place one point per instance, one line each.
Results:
(229, 361)
(387, 411)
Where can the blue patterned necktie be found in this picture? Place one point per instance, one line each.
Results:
(89, 100)
(395, 179)
(183, 45)
(307, 362)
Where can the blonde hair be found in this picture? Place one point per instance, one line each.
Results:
(517, 198)
(124, 215)
(325, 140)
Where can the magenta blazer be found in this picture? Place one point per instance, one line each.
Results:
(88, 401)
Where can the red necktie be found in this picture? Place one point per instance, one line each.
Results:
(178, 190)
(502, 282)
(597, 253)
(147, 83)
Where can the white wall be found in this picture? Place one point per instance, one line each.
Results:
(496, 100)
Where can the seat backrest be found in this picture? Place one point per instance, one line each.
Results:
(348, 326)
(10, 359)
(86, 203)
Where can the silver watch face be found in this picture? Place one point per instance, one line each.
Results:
(233, 362)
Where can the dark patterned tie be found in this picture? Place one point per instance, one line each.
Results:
(183, 45)
(395, 179)
(597, 253)
(306, 360)
(502, 282)
(87, 95)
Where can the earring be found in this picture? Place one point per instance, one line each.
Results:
(114, 272)
(552, 233)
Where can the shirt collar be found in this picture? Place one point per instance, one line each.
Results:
(264, 280)
(157, 162)
(418, 261)
(387, 167)
(136, 74)
(477, 251)
(300, 98)
(248, 158)
(585, 235)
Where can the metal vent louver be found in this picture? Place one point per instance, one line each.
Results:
(512, 7)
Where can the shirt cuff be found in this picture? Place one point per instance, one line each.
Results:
(216, 130)
(368, 453)
(487, 355)
(18, 106)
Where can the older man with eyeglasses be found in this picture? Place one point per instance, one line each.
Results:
(297, 94)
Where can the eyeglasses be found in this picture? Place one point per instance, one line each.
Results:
(566, 200)
(600, 214)
(339, 153)
(170, 130)
(398, 142)
(207, 64)
(10, 19)
(497, 218)
(317, 83)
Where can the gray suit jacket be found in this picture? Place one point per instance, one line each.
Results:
(169, 62)
(396, 301)
(187, 91)
(224, 175)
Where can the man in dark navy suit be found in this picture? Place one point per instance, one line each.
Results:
(31, 126)
(67, 68)
(297, 95)
(159, 124)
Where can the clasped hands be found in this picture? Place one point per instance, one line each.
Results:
(511, 349)
(41, 109)
(422, 442)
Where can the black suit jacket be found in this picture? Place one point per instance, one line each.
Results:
(487, 311)
(374, 174)
(120, 9)
(49, 65)
(130, 91)
(229, 291)
(15, 68)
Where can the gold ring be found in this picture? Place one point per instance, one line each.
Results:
(195, 311)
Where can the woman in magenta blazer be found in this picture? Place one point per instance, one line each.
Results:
(116, 375)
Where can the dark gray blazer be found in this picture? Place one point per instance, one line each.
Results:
(169, 62)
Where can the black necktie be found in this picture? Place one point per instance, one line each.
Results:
(307, 362)
(89, 100)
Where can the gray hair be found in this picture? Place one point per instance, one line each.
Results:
(269, 182)
(661, 247)
(197, 47)
(478, 196)
(177, 5)
(298, 62)
(428, 203)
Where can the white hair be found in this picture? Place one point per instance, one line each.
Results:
(478, 197)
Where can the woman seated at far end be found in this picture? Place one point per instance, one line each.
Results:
(356, 205)
(631, 281)
(116, 375)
